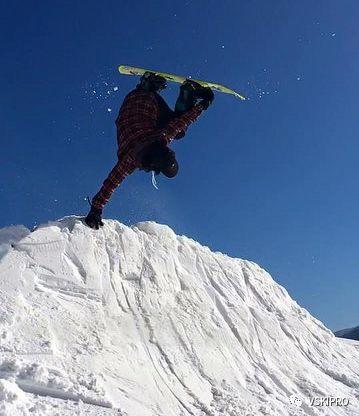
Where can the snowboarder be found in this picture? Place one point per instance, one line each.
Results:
(145, 127)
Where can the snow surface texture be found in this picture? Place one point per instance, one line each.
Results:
(141, 322)
(350, 341)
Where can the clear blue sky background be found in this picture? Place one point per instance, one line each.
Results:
(273, 180)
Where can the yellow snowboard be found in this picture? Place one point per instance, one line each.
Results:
(131, 70)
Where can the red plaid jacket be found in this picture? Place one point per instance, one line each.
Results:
(144, 117)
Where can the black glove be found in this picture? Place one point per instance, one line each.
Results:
(207, 97)
(94, 218)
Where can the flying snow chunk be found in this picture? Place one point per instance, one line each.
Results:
(115, 88)
(109, 110)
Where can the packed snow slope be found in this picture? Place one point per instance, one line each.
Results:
(141, 322)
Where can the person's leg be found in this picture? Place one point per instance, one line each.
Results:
(186, 98)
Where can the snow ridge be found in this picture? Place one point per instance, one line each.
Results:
(139, 321)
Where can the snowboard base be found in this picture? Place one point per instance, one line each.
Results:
(131, 70)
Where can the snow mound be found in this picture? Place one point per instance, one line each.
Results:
(9, 236)
(13, 400)
(139, 321)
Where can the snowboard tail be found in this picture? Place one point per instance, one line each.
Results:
(131, 70)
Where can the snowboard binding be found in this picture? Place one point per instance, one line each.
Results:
(152, 82)
(190, 92)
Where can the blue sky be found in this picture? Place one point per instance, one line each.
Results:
(273, 180)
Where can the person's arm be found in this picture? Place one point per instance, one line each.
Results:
(122, 169)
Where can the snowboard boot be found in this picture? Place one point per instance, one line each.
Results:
(190, 92)
(187, 96)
